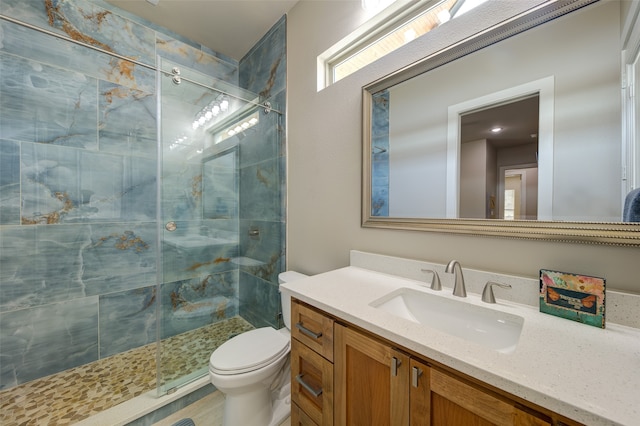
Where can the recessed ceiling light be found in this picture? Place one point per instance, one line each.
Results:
(496, 129)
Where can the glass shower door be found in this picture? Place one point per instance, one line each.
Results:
(202, 122)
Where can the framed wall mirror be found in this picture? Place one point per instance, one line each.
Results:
(521, 131)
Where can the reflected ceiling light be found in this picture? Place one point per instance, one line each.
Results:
(180, 142)
(211, 110)
(496, 129)
(238, 127)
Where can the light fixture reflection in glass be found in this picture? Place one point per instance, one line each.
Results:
(211, 110)
(238, 127)
(180, 142)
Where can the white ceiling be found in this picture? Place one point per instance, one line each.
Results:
(518, 119)
(230, 27)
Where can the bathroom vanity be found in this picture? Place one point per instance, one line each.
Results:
(356, 361)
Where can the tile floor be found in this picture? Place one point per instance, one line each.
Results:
(79, 393)
(204, 412)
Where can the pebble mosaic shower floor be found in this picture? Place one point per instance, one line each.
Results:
(79, 393)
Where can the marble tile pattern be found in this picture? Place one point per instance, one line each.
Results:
(380, 154)
(196, 302)
(46, 104)
(78, 393)
(260, 301)
(263, 68)
(9, 182)
(78, 132)
(220, 186)
(194, 58)
(262, 182)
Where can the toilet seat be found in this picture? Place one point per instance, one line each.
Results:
(249, 351)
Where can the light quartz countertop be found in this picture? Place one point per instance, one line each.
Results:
(585, 373)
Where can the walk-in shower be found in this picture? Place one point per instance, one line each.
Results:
(133, 241)
(209, 132)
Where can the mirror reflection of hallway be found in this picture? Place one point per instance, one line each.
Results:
(497, 144)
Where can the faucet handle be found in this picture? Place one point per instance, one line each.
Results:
(435, 279)
(487, 293)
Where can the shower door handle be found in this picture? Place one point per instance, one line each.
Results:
(171, 226)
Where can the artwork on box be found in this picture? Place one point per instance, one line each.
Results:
(575, 297)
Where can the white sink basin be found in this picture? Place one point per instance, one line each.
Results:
(488, 327)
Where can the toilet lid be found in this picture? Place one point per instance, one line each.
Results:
(249, 351)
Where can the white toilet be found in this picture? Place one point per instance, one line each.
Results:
(252, 370)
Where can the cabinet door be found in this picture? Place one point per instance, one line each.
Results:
(440, 399)
(371, 381)
(312, 384)
(313, 329)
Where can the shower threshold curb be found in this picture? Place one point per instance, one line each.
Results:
(142, 405)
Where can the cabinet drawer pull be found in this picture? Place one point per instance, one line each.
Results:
(415, 373)
(308, 387)
(308, 332)
(395, 363)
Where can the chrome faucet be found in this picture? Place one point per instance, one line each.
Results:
(435, 279)
(458, 287)
(487, 293)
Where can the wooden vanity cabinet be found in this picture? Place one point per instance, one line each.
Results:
(299, 417)
(343, 375)
(312, 328)
(439, 398)
(371, 381)
(311, 366)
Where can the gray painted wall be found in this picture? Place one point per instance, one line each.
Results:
(324, 171)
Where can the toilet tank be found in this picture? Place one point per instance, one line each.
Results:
(285, 299)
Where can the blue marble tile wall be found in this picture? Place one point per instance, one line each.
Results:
(78, 189)
(380, 154)
(262, 182)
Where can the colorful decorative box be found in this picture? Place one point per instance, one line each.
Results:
(575, 297)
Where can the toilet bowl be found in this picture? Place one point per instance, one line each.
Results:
(252, 371)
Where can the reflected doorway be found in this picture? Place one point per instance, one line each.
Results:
(498, 160)
(465, 116)
(520, 195)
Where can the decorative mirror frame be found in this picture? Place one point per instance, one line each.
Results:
(607, 233)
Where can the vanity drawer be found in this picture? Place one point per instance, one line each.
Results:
(300, 418)
(313, 329)
(311, 384)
